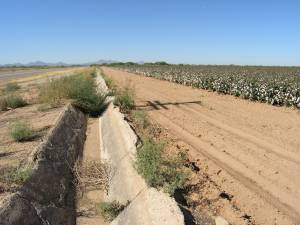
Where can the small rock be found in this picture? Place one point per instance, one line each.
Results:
(247, 217)
(221, 221)
(225, 195)
(194, 167)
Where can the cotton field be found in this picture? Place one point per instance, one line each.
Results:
(274, 85)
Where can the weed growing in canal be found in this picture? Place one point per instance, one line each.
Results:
(110, 210)
(79, 88)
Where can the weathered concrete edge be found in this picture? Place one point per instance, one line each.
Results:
(100, 82)
(147, 206)
(48, 195)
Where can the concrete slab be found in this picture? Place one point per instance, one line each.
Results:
(151, 207)
(101, 85)
(118, 148)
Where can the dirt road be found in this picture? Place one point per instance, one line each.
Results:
(28, 72)
(251, 150)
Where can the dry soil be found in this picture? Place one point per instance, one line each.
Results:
(248, 153)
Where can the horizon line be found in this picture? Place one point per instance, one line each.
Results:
(141, 62)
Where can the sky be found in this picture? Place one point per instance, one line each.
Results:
(260, 32)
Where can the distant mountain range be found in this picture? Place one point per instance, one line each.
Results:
(40, 63)
(36, 63)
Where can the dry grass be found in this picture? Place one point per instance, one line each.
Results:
(92, 174)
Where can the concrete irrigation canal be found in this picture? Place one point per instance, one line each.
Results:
(49, 195)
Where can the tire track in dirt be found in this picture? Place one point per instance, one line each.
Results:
(257, 146)
(270, 148)
(185, 120)
(249, 179)
(239, 135)
(220, 160)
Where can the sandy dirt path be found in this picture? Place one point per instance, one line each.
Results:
(252, 150)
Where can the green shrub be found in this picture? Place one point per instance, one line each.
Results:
(55, 90)
(110, 210)
(16, 175)
(11, 101)
(93, 104)
(15, 101)
(2, 92)
(148, 163)
(140, 119)
(11, 87)
(124, 98)
(21, 131)
(159, 172)
(174, 173)
(3, 104)
(85, 95)
(93, 73)
(80, 88)
(109, 82)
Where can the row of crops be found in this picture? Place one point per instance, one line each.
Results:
(274, 85)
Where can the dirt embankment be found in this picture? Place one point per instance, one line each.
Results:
(40, 119)
(247, 153)
(37, 202)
